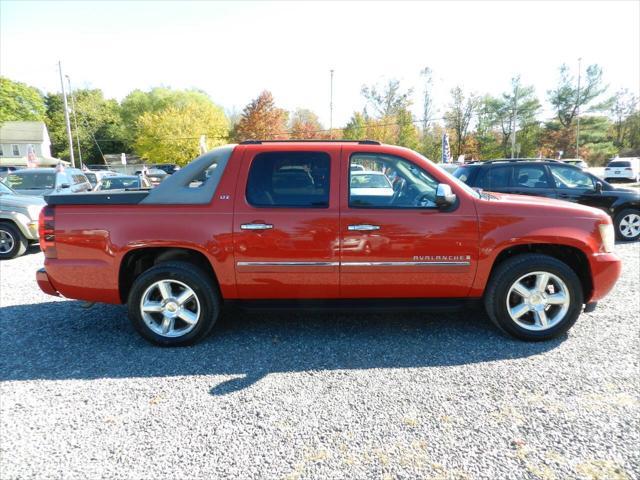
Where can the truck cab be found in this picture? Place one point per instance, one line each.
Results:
(296, 223)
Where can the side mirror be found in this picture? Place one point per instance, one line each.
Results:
(599, 187)
(65, 185)
(444, 196)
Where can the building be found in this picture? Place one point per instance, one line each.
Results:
(17, 139)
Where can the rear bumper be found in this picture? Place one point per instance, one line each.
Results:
(45, 284)
(605, 271)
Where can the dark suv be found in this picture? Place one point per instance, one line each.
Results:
(553, 179)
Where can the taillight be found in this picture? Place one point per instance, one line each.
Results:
(47, 231)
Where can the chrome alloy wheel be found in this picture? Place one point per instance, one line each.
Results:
(7, 241)
(170, 308)
(630, 225)
(538, 301)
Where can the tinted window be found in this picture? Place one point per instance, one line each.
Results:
(289, 179)
(389, 182)
(31, 181)
(497, 177)
(531, 176)
(619, 164)
(565, 177)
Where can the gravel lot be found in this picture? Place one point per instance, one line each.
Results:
(315, 396)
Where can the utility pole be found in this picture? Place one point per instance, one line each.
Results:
(515, 119)
(578, 113)
(75, 118)
(331, 107)
(66, 117)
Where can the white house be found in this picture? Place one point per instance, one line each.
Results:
(18, 138)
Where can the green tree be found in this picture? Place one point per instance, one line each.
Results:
(172, 135)
(624, 105)
(261, 119)
(356, 128)
(157, 99)
(19, 101)
(407, 131)
(99, 123)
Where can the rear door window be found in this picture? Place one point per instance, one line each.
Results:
(289, 179)
(497, 177)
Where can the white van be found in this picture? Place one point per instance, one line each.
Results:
(623, 169)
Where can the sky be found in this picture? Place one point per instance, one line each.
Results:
(234, 50)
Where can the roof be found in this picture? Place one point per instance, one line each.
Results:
(22, 132)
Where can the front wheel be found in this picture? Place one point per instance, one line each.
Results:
(534, 297)
(627, 224)
(174, 304)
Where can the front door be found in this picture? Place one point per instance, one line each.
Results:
(394, 242)
(577, 186)
(285, 224)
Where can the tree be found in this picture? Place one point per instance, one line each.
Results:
(261, 119)
(157, 99)
(459, 116)
(356, 128)
(624, 104)
(388, 101)
(99, 123)
(305, 125)
(516, 107)
(407, 131)
(567, 99)
(172, 135)
(19, 101)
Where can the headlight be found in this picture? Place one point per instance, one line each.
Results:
(608, 236)
(34, 211)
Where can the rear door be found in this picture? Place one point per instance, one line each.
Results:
(398, 244)
(286, 223)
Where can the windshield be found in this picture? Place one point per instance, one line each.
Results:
(114, 183)
(92, 178)
(462, 173)
(31, 180)
(370, 181)
(453, 179)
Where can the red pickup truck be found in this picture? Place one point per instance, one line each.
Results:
(324, 224)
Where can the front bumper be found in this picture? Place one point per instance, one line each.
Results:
(605, 271)
(45, 284)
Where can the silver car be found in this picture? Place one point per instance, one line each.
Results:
(18, 222)
(47, 181)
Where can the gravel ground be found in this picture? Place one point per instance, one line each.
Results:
(315, 396)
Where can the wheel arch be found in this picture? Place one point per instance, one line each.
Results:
(571, 256)
(139, 260)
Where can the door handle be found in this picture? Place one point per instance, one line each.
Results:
(256, 226)
(363, 228)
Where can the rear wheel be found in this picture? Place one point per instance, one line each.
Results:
(174, 304)
(12, 243)
(627, 224)
(534, 297)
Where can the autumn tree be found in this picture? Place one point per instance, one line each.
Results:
(356, 128)
(305, 125)
(388, 100)
(624, 105)
(461, 111)
(172, 134)
(261, 119)
(19, 101)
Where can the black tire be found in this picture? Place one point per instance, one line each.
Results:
(507, 273)
(206, 291)
(618, 220)
(10, 233)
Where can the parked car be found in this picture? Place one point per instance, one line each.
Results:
(553, 179)
(123, 182)
(176, 253)
(576, 162)
(156, 176)
(6, 170)
(18, 221)
(355, 167)
(366, 183)
(623, 169)
(95, 176)
(45, 181)
(168, 168)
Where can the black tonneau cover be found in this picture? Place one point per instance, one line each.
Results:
(124, 197)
